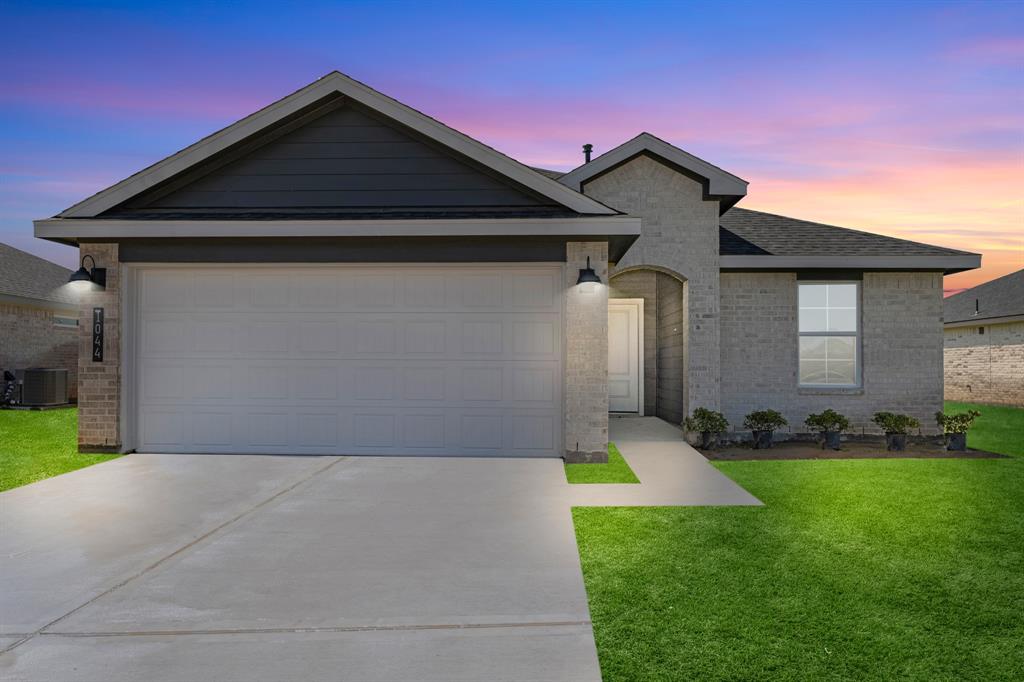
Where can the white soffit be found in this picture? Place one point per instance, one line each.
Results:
(100, 228)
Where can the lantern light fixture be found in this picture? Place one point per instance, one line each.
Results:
(587, 274)
(92, 275)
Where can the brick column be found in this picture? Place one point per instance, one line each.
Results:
(99, 383)
(586, 356)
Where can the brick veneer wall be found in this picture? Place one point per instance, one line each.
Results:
(679, 235)
(985, 368)
(99, 384)
(29, 338)
(586, 361)
(901, 352)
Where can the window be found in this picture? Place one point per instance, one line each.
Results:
(829, 330)
(65, 321)
(981, 330)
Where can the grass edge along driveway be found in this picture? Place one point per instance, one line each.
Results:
(38, 444)
(854, 569)
(615, 471)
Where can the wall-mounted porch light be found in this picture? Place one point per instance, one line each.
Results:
(587, 274)
(93, 275)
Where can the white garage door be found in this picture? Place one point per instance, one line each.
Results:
(410, 360)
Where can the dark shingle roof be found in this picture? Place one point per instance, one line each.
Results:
(28, 276)
(744, 233)
(553, 174)
(1003, 297)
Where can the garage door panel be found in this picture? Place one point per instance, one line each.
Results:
(382, 360)
(213, 429)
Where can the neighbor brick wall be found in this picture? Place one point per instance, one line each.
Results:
(986, 368)
(29, 338)
(679, 234)
(586, 361)
(99, 385)
(901, 354)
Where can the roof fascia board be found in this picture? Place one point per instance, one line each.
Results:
(97, 229)
(335, 82)
(954, 262)
(1006, 319)
(720, 182)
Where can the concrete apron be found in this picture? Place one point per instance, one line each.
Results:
(266, 568)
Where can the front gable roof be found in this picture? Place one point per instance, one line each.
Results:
(333, 85)
(718, 184)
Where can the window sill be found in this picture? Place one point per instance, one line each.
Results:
(827, 390)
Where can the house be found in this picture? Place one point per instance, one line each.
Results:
(38, 315)
(984, 342)
(340, 273)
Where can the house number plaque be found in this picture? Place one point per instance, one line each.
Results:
(97, 334)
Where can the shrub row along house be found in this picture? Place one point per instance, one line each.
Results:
(985, 342)
(341, 273)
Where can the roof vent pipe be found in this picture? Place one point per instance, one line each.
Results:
(587, 148)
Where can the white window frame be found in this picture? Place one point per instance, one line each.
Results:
(857, 369)
(58, 321)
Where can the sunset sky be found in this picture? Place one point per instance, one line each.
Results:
(902, 119)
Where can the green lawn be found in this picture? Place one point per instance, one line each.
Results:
(998, 429)
(37, 445)
(863, 569)
(615, 471)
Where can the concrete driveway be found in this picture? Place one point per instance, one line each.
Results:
(233, 567)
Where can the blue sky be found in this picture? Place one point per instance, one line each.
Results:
(900, 118)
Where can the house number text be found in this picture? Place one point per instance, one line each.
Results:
(97, 334)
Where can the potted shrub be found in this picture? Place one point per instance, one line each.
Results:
(896, 427)
(830, 424)
(709, 424)
(763, 423)
(955, 427)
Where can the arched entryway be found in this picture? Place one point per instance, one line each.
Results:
(662, 333)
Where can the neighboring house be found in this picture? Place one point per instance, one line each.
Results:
(985, 342)
(38, 315)
(341, 273)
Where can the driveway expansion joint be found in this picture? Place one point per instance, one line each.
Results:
(314, 630)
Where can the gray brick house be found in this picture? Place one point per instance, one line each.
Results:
(340, 273)
(984, 342)
(38, 315)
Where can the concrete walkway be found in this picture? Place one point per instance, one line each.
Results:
(671, 473)
(182, 567)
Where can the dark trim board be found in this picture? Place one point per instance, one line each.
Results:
(355, 249)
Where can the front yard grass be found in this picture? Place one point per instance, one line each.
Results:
(615, 471)
(853, 569)
(998, 429)
(39, 444)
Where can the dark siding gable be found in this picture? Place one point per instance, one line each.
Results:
(347, 161)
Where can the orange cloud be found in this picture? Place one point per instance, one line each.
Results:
(976, 205)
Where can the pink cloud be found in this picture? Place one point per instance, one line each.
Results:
(995, 50)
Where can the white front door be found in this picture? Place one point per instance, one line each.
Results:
(625, 362)
(350, 359)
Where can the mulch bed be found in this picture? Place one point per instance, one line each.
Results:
(850, 450)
